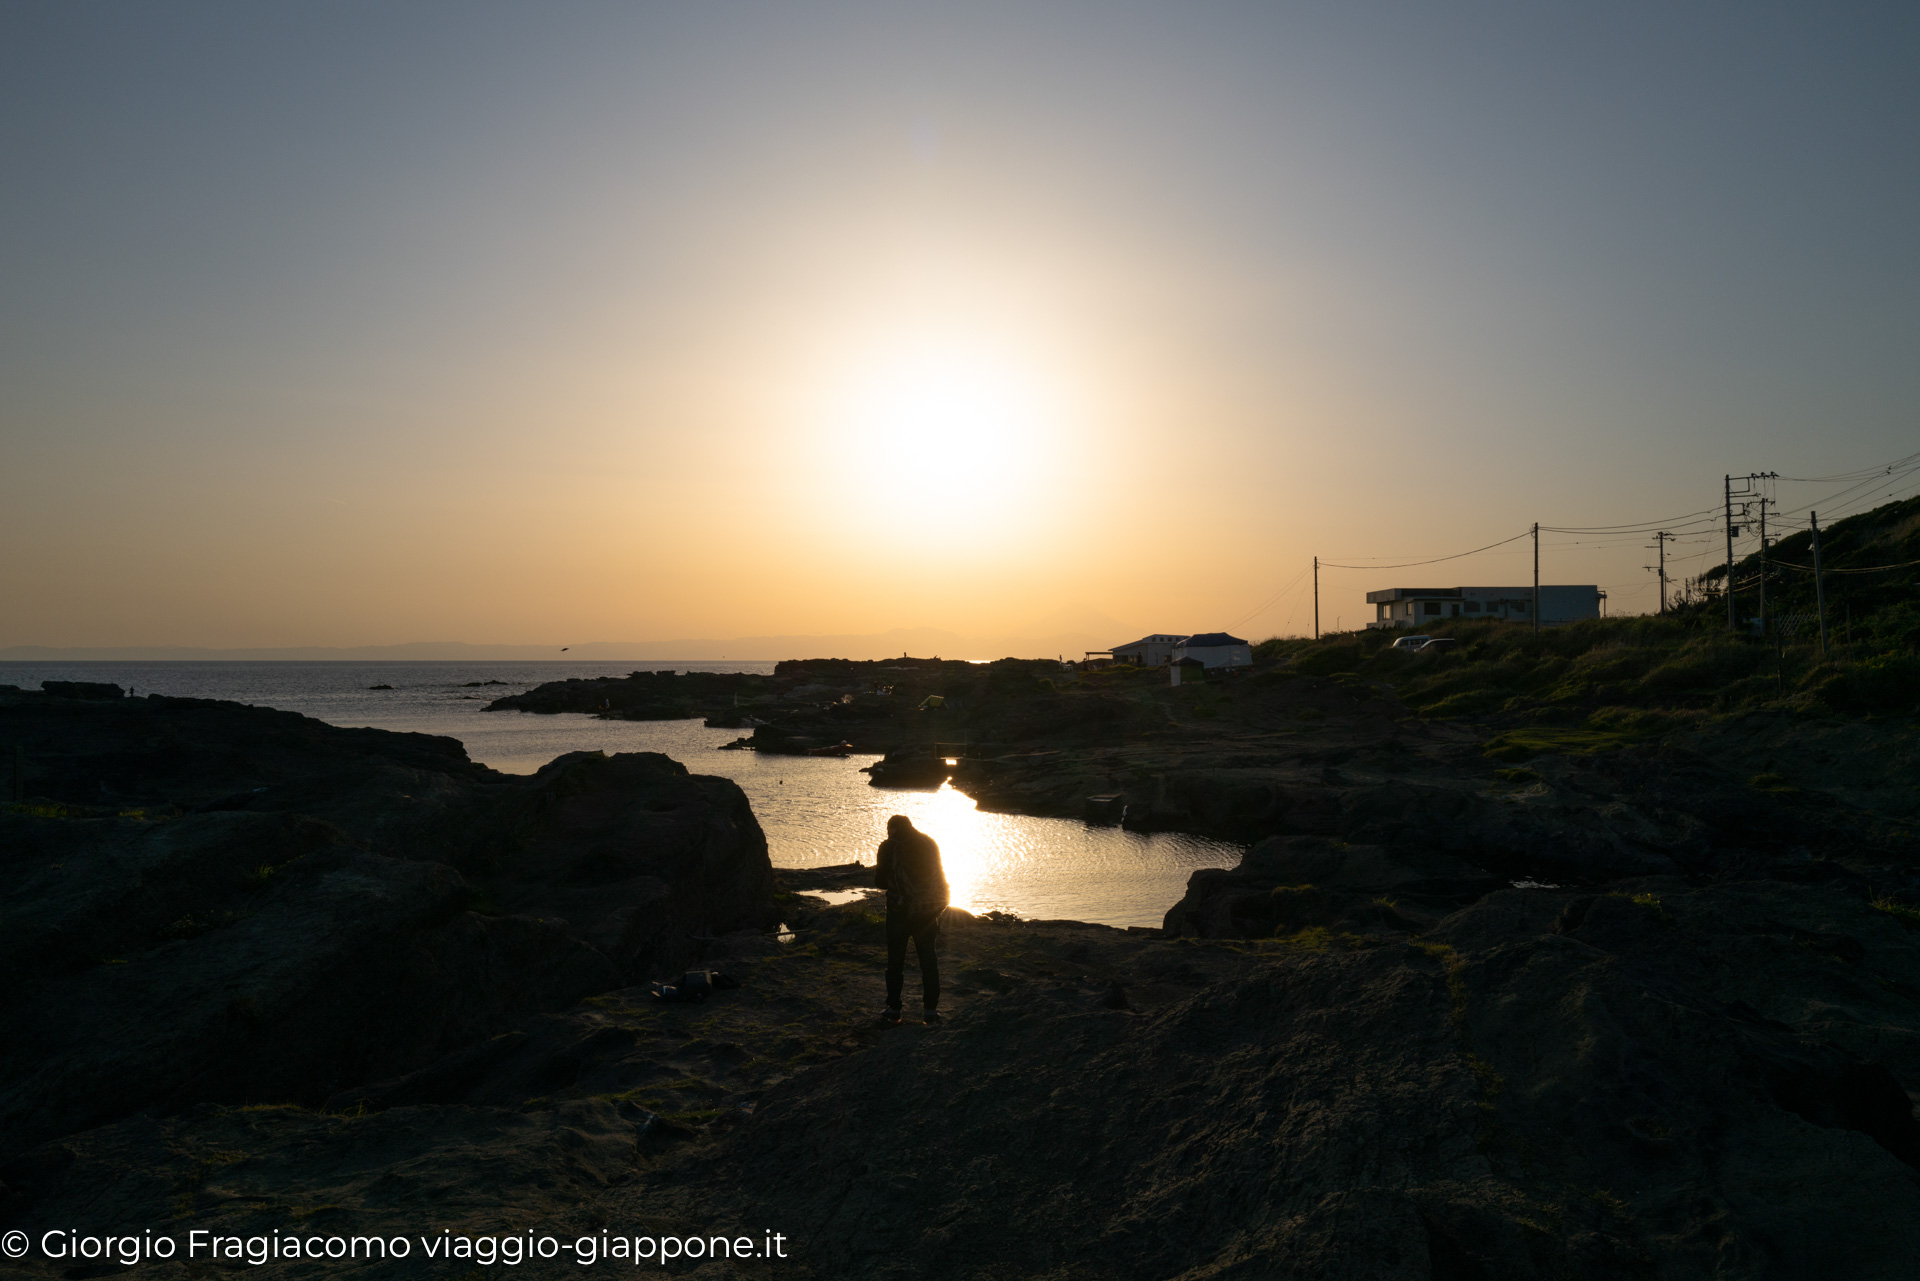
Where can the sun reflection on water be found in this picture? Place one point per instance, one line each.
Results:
(972, 846)
(814, 811)
(1052, 867)
(818, 811)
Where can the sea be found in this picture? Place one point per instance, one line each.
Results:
(815, 810)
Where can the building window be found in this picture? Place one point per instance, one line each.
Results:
(1473, 607)
(1433, 607)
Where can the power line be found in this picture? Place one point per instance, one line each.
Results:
(1637, 527)
(1695, 528)
(1268, 603)
(1869, 569)
(1327, 564)
(1897, 464)
(1853, 491)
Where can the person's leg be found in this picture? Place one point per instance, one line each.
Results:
(926, 941)
(897, 929)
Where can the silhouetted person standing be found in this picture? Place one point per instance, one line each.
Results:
(909, 871)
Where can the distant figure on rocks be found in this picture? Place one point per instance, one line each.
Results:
(909, 871)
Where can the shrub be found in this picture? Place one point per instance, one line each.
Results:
(1653, 905)
(1645, 722)
(1888, 683)
(1701, 667)
(1473, 702)
(1898, 911)
(1525, 744)
(1328, 659)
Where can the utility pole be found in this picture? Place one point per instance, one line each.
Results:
(1765, 499)
(1316, 598)
(1761, 496)
(1732, 622)
(1536, 579)
(1819, 585)
(1661, 540)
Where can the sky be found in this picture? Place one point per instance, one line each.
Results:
(350, 324)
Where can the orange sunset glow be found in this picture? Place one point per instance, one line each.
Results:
(1035, 328)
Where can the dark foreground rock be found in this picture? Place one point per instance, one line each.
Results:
(360, 986)
(1663, 1079)
(269, 908)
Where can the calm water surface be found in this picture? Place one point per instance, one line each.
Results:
(815, 810)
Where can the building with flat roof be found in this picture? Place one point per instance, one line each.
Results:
(1419, 606)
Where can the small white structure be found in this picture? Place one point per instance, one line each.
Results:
(1149, 651)
(1215, 650)
(1418, 606)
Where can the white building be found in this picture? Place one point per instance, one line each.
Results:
(1419, 606)
(1148, 651)
(1215, 649)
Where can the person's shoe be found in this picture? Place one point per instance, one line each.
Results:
(890, 1017)
(933, 1017)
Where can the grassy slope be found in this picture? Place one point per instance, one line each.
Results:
(1611, 679)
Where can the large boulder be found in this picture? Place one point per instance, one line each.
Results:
(217, 903)
(1285, 884)
(643, 859)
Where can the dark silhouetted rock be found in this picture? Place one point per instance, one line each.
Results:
(1286, 884)
(82, 689)
(276, 909)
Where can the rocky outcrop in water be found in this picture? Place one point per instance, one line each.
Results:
(810, 704)
(1279, 753)
(212, 902)
(1282, 886)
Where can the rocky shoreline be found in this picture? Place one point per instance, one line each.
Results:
(1282, 751)
(349, 981)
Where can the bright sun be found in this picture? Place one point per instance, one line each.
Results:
(946, 430)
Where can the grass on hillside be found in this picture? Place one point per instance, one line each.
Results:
(1633, 678)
